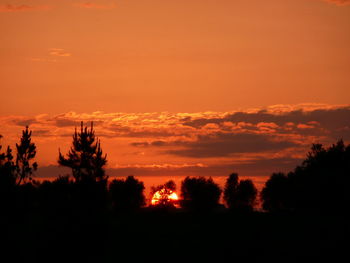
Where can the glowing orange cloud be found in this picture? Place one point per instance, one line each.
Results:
(189, 141)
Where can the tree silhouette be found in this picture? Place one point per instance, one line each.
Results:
(240, 195)
(7, 166)
(275, 195)
(85, 157)
(199, 193)
(230, 190)
(164, 193)
(247, 194)
(319, 184)
(7, 178)
(26, 151)
(127, 194)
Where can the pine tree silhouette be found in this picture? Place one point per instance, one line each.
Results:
(7, 166)
(26, 151)
(85, 157)
(7, 174)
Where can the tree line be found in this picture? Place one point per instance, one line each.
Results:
(320, 183)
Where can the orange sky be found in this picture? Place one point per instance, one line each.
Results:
(178, 87)
(180, 56)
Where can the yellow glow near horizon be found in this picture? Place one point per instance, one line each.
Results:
(164, 194)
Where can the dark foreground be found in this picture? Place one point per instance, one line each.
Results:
(173, 236)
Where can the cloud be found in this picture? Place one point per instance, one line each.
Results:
(339, 2)
(62, 122)
(247, 138)
(53, 55)
(153, 174)
(89, 5)
(159, 129)
(257, 168)
(24, 121)
(140, 144)
(148, 132)
(21, 8)
(41, 133)
(159, 143)
(264, 130)
(161, 166)
(329, 119)
(226, 144)
(59, 52)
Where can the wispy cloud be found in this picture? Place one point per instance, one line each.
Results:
(90, 5)
(53, 56)
(161, 166)
(59, 52)
(22, 8)
(339, 2)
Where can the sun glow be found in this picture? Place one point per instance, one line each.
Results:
(164, 196)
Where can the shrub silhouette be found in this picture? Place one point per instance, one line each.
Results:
(127, 194)
(85, 157)
(199, 193)
(164, 192)
(26, 151)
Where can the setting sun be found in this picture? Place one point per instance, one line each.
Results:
(164, 196)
